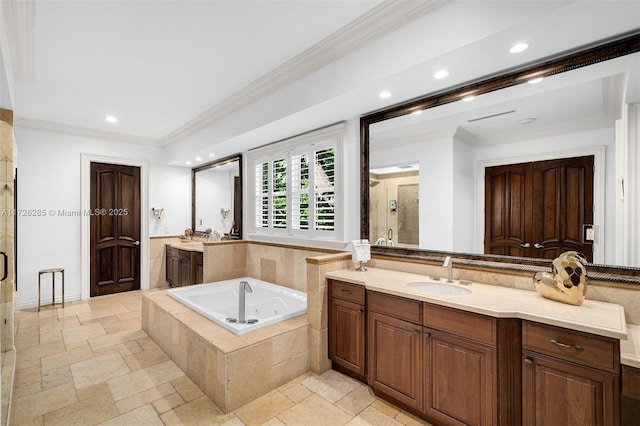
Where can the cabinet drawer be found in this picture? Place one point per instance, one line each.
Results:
(631, 382)
(347, 291)
(467, 324)
(397, 307)
(584, 348)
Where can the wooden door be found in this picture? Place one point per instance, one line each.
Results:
(460, 380)
(395, 359)
(346, 341)
(539, 209)
(562, 393)
(115, 228)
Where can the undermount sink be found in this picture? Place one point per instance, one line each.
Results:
(439, 288)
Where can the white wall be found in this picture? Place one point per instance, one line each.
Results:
(49, 180)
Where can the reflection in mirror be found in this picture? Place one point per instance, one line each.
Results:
(217, 198)
(521, 154)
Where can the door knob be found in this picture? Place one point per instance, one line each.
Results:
(538, 245)
(136, 243)
(525, 245)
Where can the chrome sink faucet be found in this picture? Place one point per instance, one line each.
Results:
(244, 287)
(448, 263)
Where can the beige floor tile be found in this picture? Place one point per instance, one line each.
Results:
(98, 370)
(37, 352)
(43, 402)
(145, 359)
(314, 410)
(20, 391)
(60, 324)
(50, 336)
(357, 400)
(56, 377)
(101, 389)
(186, 388)
(201, 412)
(373, 417)
(141, 380)
(167, 403)
(264, 408)
(296, 393)
(87, 317)
(79, 334)
(274, 422)
(109, 340)
(143, 416)
(27, 376)
(385, 408)
(144, 398)
(69, 357)
(87, 412)
(331, 385)
(114, 324)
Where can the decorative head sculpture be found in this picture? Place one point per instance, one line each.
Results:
(568, 281)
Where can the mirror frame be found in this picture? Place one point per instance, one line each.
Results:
(623, 45)
(211, 165)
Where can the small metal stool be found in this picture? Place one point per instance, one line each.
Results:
(51, 271)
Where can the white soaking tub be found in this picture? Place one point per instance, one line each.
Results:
(268, 303)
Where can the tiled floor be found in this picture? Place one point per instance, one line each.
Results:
(90, 363)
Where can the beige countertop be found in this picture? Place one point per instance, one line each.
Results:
(601, 318)
(189, 246)
(630, 348)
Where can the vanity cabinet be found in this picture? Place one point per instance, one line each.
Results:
(569, 377)
(347, 328)
(395, 348)
(183, 267)
(460, 367)
(630, 400)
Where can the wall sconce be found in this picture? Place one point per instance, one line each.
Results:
(225, 212)
(157, 212)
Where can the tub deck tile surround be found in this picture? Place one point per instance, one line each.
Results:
(46, 391)
(231, 370)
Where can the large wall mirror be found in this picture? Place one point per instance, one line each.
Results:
(217, 198)
(503, 170)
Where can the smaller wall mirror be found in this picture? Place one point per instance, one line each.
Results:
(217, 198)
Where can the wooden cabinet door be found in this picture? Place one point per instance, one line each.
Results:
(199, 268)
(557, 392)
(186, 268)
(346, 335)
(460, 380)
(176, 278)
(395, 358)
(169, 265)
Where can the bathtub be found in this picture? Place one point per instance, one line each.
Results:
(268, 303)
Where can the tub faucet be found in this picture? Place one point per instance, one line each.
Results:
(244, 287)
(448, 263)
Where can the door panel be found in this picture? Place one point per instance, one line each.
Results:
(539, 209)
(115, 228)
(507, 190)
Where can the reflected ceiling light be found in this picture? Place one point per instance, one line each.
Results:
(211, 155)
(111, 119)
(417, 112)
(468, 98)
(188, 163)
(535, 80)
(519, 47)
(385, 94)
(527, 120)
(198, 158)
(441, 74)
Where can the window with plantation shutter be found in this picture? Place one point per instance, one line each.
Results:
(296, 189)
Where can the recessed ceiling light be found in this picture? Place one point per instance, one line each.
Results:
(111, 119)
(535, 80)
(520, 47)
(468, 98)
(417, 112)
(188, 163)
(198, 158)
(441, 74)
(385, 94)
(527, 120)
(211, 155)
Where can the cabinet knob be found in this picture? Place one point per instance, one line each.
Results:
(538, 245)
(525, 245)
(528, 361)
(427, 335)
(346, 291)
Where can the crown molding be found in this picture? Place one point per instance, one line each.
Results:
(19, 21)
(382, 19)
(47, 126)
